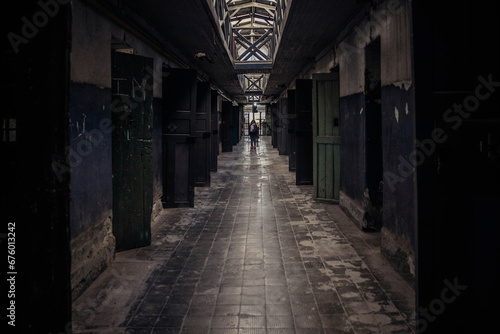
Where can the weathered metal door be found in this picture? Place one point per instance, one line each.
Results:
(326, 136)
(283, 134)
(274, 125)
(291, 130)
(227, 126)
(132, 146)
(179, 119)
(235, 130)
(203, 134)
(303, 132)
(214, 139)
(278, 124)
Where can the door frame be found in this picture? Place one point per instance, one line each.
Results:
(303, 132)
(178, 132)
(326, 135)
(132, 150)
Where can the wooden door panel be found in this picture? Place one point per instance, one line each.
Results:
(235, 128)
(203, 134)
(181, 179)
(179, 132)
(274, 125)
(132, 149)
(283, 134)
(291, 131)
(326, 138)
(214, 139)
(226, 126)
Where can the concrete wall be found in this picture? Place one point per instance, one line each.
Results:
(92, 240)
(390, 22)
(398, 140)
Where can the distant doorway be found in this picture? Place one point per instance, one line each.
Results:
(256, 112)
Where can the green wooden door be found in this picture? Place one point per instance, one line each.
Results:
(326, 137)
(132, 147)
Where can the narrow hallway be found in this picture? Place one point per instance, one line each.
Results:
(372, 207)
(255, 255)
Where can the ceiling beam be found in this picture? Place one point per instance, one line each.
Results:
(251, 26)
(251, 4)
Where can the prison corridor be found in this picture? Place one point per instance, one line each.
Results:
(256, 254)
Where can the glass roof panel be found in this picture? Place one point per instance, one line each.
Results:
(252, 22)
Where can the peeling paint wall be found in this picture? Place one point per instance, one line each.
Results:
(390, 22)
(396, 47)
(398, 137)
(352, 148)
(91, 48)
(90, 165)
(399, 174)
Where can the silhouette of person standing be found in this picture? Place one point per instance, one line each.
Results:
(254, 131)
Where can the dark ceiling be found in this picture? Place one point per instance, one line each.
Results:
(188, 26)
(186, 29)
(310, 28)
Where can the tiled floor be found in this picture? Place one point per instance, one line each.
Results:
(255, 255)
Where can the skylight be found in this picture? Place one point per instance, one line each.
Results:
(252, 23)
(253, 27)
